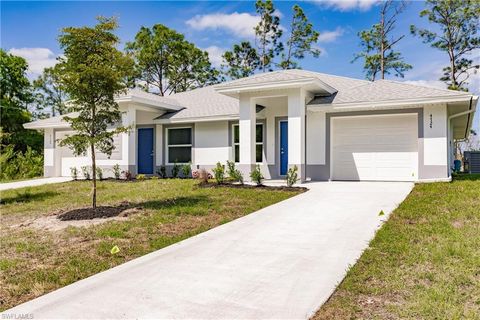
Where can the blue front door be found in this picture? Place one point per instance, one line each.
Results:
(283, 147)
(145, 150)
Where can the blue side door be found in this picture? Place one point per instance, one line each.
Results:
(145, 150)
(283, 147)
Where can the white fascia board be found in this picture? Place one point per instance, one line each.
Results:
(198, 119)
(236, 89)
(387, 104)
(148, 103)
(33, 125)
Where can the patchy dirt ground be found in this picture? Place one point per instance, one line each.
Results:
(81, 217)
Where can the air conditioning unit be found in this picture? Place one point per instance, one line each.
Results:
(471, 161)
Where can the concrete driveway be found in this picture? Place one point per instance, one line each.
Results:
(32, 183)
(281, 262)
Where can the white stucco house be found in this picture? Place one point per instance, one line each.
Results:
(331, 127)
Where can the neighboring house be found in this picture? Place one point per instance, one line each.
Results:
(330, 127)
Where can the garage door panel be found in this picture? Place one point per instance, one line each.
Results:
(352, 139)
(375, 148)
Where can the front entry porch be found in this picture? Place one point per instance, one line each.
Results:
(284, 115)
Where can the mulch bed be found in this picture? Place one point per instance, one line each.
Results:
(102, 212)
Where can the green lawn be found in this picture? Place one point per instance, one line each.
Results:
(424, 263)
(33, 261)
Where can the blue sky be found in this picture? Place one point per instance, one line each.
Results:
(216, 26)
(30, 29)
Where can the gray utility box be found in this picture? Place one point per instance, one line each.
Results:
(471, 161)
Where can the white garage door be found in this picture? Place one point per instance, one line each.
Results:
(383, 148)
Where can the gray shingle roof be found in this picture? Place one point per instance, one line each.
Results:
(203, 102)
(384, 90)
(206, 102)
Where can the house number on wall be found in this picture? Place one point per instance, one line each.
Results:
(431, 121)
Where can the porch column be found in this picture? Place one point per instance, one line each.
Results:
(247, 124)
(130, 153)
(49, 154)
(296, 131)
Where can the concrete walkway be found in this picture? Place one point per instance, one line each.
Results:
(281, 262)
(32, 183)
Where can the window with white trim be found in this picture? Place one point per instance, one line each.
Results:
(179, 145)
(258, 142)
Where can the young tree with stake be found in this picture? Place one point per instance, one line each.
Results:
(92, 72)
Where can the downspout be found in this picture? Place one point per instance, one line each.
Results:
(456, 115)
(469, 111)
(468, 119)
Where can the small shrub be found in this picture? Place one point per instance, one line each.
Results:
(233, 173)
(140, 177)
(292, 176)
(128, 175)
(230, 168)
(257, 176)
(219, 173)
(74, 173)
(162, 172)
(175, 170)
(116, 171)
(99, 173)
(186, 170)
(154, 178)
(238, 176)
(86, 172)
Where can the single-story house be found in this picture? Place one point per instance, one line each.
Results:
(330, 127)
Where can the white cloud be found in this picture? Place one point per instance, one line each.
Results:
(215, 54)
(37, 58)
(346, 5)
(330, 36)
(240, 24)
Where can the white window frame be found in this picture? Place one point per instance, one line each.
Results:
(168, 146)
(256, 143)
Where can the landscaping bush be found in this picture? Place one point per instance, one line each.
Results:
(141, 177)
(186, 170)
(116, 171)
(18, 164)
(175, 170)
(86, 172)
(292, 176)
(99, 173)
(162, 172)
(219, 173)
(74, 173)
(257, 176)
(233, 173)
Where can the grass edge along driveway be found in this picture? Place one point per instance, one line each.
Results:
(424, 263)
